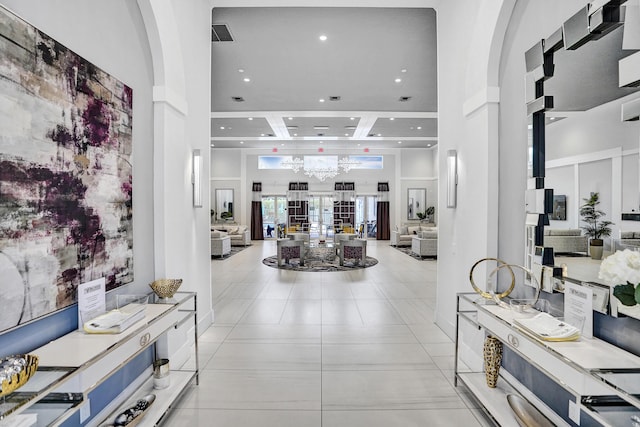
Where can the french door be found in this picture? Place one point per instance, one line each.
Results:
(274, 214)
(320, 216)
(366, 215)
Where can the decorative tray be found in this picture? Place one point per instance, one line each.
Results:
(132, 416)
(15, 371)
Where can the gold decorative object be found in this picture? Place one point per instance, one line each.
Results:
(492, 358)
(491, 295)
(165, 288)
(15, 371)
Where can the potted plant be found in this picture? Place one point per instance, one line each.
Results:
(429, 213)
(595, 228)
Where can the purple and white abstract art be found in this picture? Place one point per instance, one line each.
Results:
(65, 174)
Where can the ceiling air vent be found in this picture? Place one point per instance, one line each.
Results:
(320, 127)
(220, 33)
(237, 98)
(372, 134)
(404, 98)
(321, 134)
(334, 98)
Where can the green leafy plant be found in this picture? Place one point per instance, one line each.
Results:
(427, 213)
(595, 227)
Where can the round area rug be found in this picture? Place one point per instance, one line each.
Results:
(320, 262)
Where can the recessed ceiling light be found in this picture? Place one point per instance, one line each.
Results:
(391, 118)
(241, 142)
(398, 80)
(295, 134)
(352, 118)
(321, 100)
(323, 38)
(404, 70)
(428, 145)
(241, 70)
(419, 128)
(262, 134)
(399, 142)
(222, 127)
(321, 142)
(290, 118)
(250, 118)
(213, 145)
(346, 134)
(247, 79)
(552, 118)
(282, 145)
(379, 134)
(358, 145)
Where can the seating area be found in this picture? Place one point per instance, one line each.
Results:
(403, 235)
(565, 240)
(239, 235)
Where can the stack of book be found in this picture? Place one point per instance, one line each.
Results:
(548, 328)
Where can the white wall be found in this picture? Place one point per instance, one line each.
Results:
(125, 55)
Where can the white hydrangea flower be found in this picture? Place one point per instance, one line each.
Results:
(620, 268)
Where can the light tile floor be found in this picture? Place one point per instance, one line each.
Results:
(325, 349)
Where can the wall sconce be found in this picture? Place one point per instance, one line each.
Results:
(452, 178)
(196, 178)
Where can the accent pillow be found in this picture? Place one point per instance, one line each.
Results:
(403, 230)
(232, 230)
(241, 229)
(413, 230)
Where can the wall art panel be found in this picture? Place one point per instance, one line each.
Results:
(65, 174)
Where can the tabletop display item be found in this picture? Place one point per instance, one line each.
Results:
(492, 353)
(526, 414)
(165, 288)
(545, 327)
(15, 371)
(119, 319)
(132, 416)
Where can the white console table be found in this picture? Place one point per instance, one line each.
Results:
(77, 363)
(603, 379)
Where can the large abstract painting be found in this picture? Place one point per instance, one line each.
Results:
(65, 174)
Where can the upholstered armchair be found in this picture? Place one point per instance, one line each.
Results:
(353, 249)
(288, 249)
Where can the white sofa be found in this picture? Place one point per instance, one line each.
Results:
(239, 234)
(628, 240)
(565, 240)
(402, 235)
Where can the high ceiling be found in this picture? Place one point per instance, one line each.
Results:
(376, 72)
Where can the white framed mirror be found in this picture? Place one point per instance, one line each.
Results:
(224, 204)
(416, 203)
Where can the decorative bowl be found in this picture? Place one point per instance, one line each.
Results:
(165, 288)
(15, 371)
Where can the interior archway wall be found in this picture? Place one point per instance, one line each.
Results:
(181, 125)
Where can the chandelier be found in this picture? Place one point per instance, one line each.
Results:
(320, 172)
(295, 164)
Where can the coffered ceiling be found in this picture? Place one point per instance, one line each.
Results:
(370, 82)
